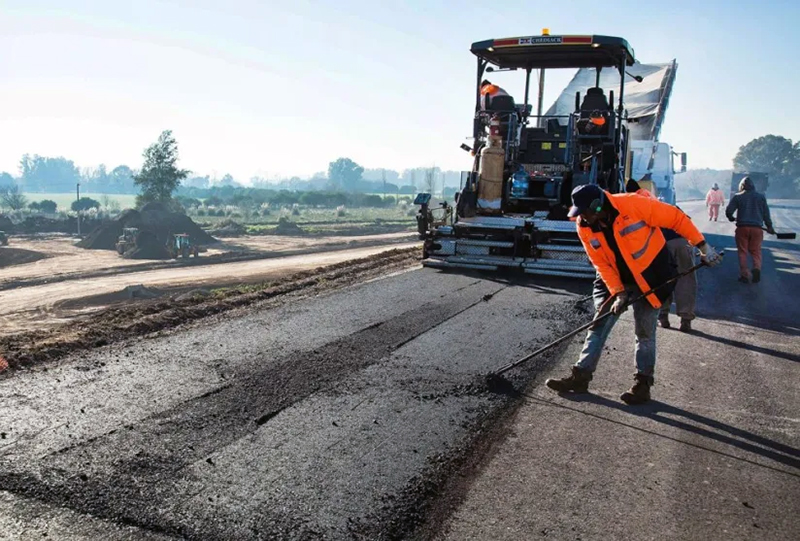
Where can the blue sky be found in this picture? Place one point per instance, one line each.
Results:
(280, 88)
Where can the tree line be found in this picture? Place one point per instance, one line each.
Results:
(159, 177)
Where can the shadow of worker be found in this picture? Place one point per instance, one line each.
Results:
(697, 424)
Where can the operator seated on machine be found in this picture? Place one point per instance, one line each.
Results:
(494, 98)
(594, 113)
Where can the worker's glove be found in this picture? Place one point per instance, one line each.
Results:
(620, 303)
(708, 255)
(771, 231)
(731, 219)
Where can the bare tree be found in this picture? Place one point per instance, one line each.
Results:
(11, 197)
(429, 183)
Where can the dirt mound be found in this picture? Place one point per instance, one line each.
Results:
(155, 219)
(229, 228)
(287, 227)
(17, 256)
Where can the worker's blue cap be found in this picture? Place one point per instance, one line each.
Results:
(582, 198)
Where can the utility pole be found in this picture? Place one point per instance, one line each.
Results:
(78, 208)
(383, 178)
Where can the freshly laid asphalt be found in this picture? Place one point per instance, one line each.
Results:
(362, 414)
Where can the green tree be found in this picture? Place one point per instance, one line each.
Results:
(778, 157)
(45, 206)
(344, 173)
(85, 203)
(120, 180)
(11, 197)
(159, 176)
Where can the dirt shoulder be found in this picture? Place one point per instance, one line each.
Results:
(144, 317)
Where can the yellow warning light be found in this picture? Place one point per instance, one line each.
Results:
(545, 31)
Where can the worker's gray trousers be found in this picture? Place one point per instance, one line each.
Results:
(685, 294)
(645, 318)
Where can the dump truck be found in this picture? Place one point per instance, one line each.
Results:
(648, 88)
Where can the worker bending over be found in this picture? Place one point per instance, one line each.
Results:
(622, 236)
(714, 200)
(752, 213)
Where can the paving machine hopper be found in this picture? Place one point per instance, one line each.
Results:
(511, 211)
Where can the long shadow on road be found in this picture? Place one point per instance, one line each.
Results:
(671, 416)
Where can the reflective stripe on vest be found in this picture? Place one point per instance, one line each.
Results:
(639, 253)
(632, 228)
(595, 243)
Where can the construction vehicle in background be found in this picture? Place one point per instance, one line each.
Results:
(181, 245)
(3, 238)
(127, 241)
(760, 180)
(511, 211)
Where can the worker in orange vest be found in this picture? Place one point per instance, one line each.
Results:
(622, 236)
(714, 200)
(490, 91)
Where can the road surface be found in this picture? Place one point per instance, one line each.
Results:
(362, 414)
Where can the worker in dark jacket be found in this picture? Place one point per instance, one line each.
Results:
(622, 236)
(752, 214)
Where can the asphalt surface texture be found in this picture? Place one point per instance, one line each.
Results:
(364, 414)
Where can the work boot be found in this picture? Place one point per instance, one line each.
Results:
(577, 382)
(664, 322)
(756, 276)
(639, 393)
(744, 279)
(686, 325)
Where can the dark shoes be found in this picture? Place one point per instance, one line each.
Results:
(577, 382)
(663, 321)
(744, 279)
(756, 276)
(640, 392)
(686, 325)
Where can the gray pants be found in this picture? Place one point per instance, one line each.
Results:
(685, 293)
(645, 318)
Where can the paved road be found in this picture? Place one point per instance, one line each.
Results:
(356, 413)
(716, 456)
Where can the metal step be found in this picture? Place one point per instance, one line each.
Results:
(485, 243)
(442, 264)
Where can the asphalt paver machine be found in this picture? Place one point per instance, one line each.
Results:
(511, 211)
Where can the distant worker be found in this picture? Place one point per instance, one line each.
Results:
(752, 213)
(489, 92)
(621, 234)
(714, 200)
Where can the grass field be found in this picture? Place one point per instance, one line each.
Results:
(64, 200)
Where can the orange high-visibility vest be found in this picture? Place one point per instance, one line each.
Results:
(637, 230)
(491, 91)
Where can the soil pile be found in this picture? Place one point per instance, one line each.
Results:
(287, 227)
(156, 225)
(18, 256)
(229, 228)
